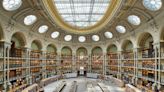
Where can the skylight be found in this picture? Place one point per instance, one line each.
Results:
(43, 28)
(82, 38)
(11, 5)
(152, 5)
(95, 38)
(55, 34)
(133, 19)
(108, 35)
(68, 38)
(120, 29)
(30, 19)
(82, 13)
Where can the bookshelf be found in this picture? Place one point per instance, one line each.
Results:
(112, 64)
(97, 63)
(127, 66)
(82, 61)
(66, 64)
(35, 65)
(17, 68)
(51, 64)
(146, 68)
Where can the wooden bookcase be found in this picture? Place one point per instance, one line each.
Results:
(35, 65)
(51, 64)
(97, 63)
(66, 63)
(112, 64)
(82, 61)
(146, 68)
(17, 70)
(127, 66)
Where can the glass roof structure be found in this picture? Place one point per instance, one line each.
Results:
(82, 13)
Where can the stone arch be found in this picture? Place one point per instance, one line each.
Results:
(66, 50)
(143, 40)
(51, 48)
(127, 45)
(36, 45)
(19, 39)
(82, 50)
(112, 48)
(97, 50)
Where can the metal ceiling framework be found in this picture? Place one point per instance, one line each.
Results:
(82, 13)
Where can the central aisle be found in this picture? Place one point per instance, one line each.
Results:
(82, 85)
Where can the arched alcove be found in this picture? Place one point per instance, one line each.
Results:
(18, 42)
(51, 60)
(51, 48)
(127, 45)
(19, 39)
(112, 49)
(81, 51)
(36, 54)
(112, 57)
(82, 59)
(146, 56)
(36, 45)
(66, 60)
(145, 42)
(66, 51)
(97, 51)
(97, 60)
(127, 49)
(127, 60)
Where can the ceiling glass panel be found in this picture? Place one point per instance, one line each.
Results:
(82, 13)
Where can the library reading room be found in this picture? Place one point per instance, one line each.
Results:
(81, 46)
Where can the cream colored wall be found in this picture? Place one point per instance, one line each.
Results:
(66, 51)
(34, 46)
(9, 30)
(51, 49)
(17, 42)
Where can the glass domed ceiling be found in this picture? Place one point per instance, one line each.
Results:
(82, 13)
(82, 16)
